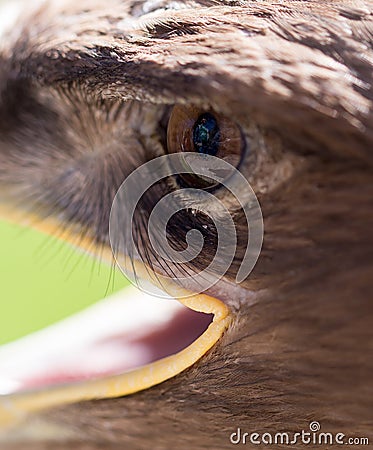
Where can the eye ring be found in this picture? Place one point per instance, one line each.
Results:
(192, 129)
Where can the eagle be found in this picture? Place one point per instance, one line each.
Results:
(91, 92)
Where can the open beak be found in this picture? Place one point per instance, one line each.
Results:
(122, 345)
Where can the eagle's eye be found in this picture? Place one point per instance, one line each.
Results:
(193, 129)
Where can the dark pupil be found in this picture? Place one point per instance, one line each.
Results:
(206, 134)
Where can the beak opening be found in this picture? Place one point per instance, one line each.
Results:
(122, 345)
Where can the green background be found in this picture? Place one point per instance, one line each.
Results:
(44, 280)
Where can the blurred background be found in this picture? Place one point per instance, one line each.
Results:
(43, 280)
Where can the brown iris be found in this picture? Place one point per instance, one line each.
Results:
(192, 129)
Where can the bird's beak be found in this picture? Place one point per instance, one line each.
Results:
(118, 347)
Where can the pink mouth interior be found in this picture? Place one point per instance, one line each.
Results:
(116, 353)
